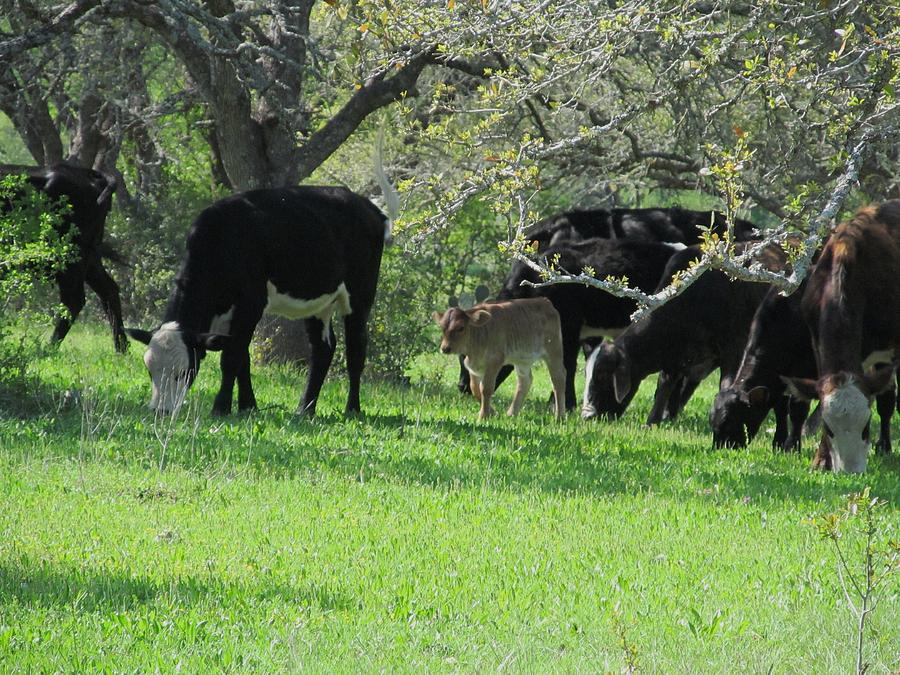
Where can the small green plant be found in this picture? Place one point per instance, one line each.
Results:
(855, 526)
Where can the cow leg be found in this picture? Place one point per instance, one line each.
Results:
(780, 408)
(798, 411)
(235, 365)
(356, 338)
(570, 347)
(505, 372)
(71, 295)
(681, 396)
(463, 382)
(523, 384)
(558, 379)
(321, 354)
(822, 459)
(885, 403)
(488, 385)
(475, 386)
(108, 292)
(666, 384)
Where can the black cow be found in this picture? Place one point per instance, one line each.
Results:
(585, 311)
(90, 194)
(702, 329)
(779, 345)
(301, 252)
(671, 224)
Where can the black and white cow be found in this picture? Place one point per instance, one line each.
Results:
(696, 332)
(672, 224)
(90, 195)
(301, 252)
(852, 307)
(585, 311)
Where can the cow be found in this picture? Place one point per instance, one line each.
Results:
(672, 224)
(585, 311)
(696, 332)
(852, 307)
(778, 345)
(89, 194)
(516, 332)
(300, 252)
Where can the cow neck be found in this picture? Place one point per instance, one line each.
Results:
(192, 303)
(644, 349)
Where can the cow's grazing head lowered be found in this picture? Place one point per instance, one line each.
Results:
(173, 359)
(846, 400)
(301, 252)
(516, 332)
(89, 194)
(852, 307)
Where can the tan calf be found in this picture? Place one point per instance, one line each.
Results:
(517, 332)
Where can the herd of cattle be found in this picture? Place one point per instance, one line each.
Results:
(315, 253)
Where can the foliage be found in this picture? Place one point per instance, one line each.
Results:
(34, 246)
(409, 540)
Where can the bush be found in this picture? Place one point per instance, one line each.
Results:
(34, 245)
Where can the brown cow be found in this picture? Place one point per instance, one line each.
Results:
(852, 307)
(517, 332)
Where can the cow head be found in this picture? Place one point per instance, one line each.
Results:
(607, 386)
(846, 402)
(456, 325)
(736, 415)
(173, 358)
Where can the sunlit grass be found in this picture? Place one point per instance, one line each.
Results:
(413, 538)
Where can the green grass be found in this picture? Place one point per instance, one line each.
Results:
(412, 539)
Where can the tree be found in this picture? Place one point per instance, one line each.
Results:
(781, 106)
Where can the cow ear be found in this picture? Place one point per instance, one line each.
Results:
(140, 335)
(480, 317)
(801, 388)
(879, 380)
(437, 317)
(213, 342)
(622, 378)
(758, 396)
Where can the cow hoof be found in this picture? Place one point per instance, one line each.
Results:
(218, 412)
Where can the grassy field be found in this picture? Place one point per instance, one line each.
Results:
(411, 539)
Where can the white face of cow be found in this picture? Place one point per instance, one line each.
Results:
(169, 362)
(846, 414)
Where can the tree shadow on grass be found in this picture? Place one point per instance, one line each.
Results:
(43, 585)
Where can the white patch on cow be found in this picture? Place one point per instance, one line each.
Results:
(586, 407)
(675, 245)
(323, 308)
(596, 331)
(878, 357)
(168, 361)
(221, 323)
(846, 412)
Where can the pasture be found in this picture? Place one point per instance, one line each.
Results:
(412, 539)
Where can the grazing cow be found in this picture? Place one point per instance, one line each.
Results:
(852, 307)
(672, 224)
(702, 329)
(779, 345)
(301, 252)
(517, 332)
(89, 194)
